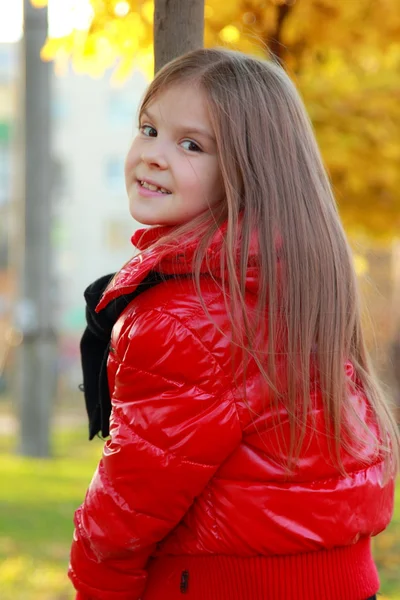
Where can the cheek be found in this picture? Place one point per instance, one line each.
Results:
(200, 178)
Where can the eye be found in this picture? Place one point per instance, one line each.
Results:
(148, 131)
(191, 146)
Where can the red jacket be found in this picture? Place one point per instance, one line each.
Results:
(188, 497)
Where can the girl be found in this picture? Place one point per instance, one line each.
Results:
(251, 453)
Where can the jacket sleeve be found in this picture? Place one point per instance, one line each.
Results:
(173, 423)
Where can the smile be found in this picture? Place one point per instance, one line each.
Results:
(153, 188)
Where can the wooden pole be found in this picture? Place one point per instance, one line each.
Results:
(178, 28)
(36, 363)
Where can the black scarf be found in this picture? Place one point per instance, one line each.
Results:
(95, 346)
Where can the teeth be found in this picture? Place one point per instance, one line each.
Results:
(154, 188)
(150, 186)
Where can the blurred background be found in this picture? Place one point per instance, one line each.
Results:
(72, 73)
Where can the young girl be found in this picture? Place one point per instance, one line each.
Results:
(251, 454)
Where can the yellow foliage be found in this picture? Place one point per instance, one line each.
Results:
(121, 9)
(230, 34)
(343, 56)
(147, 11)
(360, 265)
(52, 47)
(39, 3)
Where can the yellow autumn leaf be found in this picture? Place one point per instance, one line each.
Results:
(39, 3)
(52, 47)
(230, 34)
(147, 11)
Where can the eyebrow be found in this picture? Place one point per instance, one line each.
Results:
(189, 129)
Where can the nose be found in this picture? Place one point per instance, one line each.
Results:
(154, 156)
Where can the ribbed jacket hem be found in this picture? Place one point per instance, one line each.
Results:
(345, 573)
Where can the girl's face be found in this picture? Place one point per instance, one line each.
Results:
(172, 172)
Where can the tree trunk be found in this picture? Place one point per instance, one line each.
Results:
(178, 28)
(36, 361)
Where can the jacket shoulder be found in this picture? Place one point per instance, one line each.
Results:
(179, 298)
(166, 328)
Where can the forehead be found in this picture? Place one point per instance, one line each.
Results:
(180, 103)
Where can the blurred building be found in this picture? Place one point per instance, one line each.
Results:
(93, 124)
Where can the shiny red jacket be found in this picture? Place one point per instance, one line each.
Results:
(189, 497)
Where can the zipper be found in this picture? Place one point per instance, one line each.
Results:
(184, 582)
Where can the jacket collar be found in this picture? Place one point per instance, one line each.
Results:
(174, 261)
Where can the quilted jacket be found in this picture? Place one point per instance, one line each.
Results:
(190, 496)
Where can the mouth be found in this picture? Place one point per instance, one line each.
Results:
(152, 187)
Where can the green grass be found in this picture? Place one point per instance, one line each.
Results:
(386, 548)
(37, 502)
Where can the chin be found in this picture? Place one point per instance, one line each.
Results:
(145, 219)
(141, 218)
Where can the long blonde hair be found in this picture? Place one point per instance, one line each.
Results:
(277, 188)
